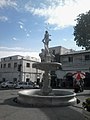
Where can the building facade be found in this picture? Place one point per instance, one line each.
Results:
(56, 51)
(19, 68)
(72, 62)
(76, 61)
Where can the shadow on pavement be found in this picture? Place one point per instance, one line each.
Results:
(48, 113)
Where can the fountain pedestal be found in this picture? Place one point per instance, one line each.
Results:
(46, 89)
(47, 67)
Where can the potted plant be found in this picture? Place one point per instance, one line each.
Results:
(86, 108)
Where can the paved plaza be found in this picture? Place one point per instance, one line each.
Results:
(9, 110)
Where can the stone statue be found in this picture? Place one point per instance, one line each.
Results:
(46, 41)
(46, 55)
(42, 55)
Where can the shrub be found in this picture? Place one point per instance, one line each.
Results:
(86, 104)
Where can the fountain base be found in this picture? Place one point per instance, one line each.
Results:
(58, 97)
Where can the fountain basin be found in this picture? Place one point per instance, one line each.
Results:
(47, 66)
(58, 97)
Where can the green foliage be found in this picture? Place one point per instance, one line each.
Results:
(82, 30)
(86, 104)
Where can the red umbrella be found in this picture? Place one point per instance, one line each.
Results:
(79, 75)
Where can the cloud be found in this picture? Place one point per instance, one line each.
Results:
(22, 26)
(3, 18)
(21, 23)
(5, 52)
(58, 13)
(15, 39)
(8, 3)
(28, 35)
(65, 39)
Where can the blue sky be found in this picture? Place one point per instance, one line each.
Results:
(23, 23)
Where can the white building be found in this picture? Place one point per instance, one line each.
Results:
(19, 68)
(71, 60)
(59, 50)
(76, 61)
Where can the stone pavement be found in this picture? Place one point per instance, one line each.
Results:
(9, 110)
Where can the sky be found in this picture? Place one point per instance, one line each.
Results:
(24, 22)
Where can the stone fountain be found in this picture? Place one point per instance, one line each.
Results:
(46, 96)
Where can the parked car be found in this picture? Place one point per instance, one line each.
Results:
(34, 85)
(8, 84)
(24, 85)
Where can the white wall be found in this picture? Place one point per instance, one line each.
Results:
(11, 73)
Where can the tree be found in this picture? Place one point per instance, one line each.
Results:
(82, 30)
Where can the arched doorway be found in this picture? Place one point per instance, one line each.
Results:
(69, 79)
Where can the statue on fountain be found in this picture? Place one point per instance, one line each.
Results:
(46, 56)
(46, 41)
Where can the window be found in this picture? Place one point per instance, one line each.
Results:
(9, 65)
(4, 59)
(19, 67)
(25, 83)
(10, 58)
(87, 57)
(3, 79)
(15, 65)
(27, 79)
(53, 52)
(27, 64)
(1, 65)
(20, 83)
(14, 79)
(70, 59)
(4, 66)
